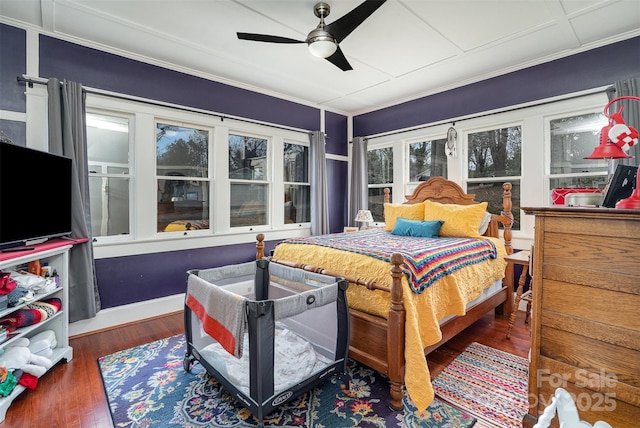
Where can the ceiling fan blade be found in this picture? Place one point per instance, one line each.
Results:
(267, 38)
(338, 59)
(342, 27)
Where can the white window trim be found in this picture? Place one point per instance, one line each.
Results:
(144, 237)
(534, 119)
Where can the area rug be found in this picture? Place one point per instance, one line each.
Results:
(488, 383)
(146, 386)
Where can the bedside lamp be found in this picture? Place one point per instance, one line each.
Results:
(364, 216)
(616, 137)
(615, 140)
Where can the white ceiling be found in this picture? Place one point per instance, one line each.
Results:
(405, 50)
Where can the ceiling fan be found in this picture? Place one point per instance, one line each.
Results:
(324, 40)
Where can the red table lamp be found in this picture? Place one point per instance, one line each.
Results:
(615, 140)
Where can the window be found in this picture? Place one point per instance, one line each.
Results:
(427, 159)
(182, 170)
(297, 189)
(109, 174)
(380, 172)
(572, 138)
(494, 157)
(248, 177)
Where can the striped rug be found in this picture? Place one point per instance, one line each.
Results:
(487, 383)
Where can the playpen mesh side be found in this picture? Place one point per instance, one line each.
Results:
(306, 303)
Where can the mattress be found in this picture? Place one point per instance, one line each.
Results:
(295, 359)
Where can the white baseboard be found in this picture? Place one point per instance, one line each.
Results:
(112, 317)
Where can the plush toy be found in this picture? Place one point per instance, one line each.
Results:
(20, 357)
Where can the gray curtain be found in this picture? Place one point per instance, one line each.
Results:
(359, 192)
(631, 113)
(67, 136)
(318, 178)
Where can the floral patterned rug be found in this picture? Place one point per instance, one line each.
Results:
(146, 386)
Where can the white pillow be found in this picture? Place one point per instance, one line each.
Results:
(484, 223)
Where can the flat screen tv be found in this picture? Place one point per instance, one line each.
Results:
(35, 196)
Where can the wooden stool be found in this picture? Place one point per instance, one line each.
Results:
(520, 258)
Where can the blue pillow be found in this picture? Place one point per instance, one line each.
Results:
(418, 228)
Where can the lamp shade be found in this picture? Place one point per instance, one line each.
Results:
(364, 216)
(607, 149)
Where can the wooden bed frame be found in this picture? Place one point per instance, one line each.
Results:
(379, 343)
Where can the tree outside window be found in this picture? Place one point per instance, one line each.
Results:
(182, 169)
(494, 157)
(297, 189)
(248, 175)
(380, 173)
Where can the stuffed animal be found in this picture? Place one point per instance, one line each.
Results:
(20, 357)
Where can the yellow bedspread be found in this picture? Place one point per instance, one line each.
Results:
(449, 295)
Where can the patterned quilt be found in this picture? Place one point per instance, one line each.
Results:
(426, 259)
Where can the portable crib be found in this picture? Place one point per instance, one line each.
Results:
(266, 332)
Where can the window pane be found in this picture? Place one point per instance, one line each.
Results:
(248, 204)
(181, 151)
(108, 143)
(492, 192)
(296, 163)
(495, 153)
(595, 181)
(380, 165)
(108, 155)
(109, 198)
(182, 205)
(572, 139)
(376, 203)
(297, 203)
(427, 159)
(247, 158)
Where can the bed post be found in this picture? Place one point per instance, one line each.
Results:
(505, 309)
(506, 212)
(259, 246)
(396, 333)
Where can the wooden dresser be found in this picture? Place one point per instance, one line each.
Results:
(586, 312)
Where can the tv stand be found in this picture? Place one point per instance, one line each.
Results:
(55, 252)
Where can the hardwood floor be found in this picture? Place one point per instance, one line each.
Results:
(72, 394)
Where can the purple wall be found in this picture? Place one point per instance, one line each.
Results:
(124, 280)
(131, 279)
(335, 126)
(102, 70)
(13, 63)
(598, 67)
(13, 51)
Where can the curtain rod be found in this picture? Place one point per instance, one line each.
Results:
(30, 81)
(608, 89)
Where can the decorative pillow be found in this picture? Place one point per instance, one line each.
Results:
(393, 211)
(484, 223)
(419, 228)
(461, 221)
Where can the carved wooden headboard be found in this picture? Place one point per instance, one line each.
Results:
(439, 189)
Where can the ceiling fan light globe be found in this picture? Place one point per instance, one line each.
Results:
(322, 48)
(321, 43)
